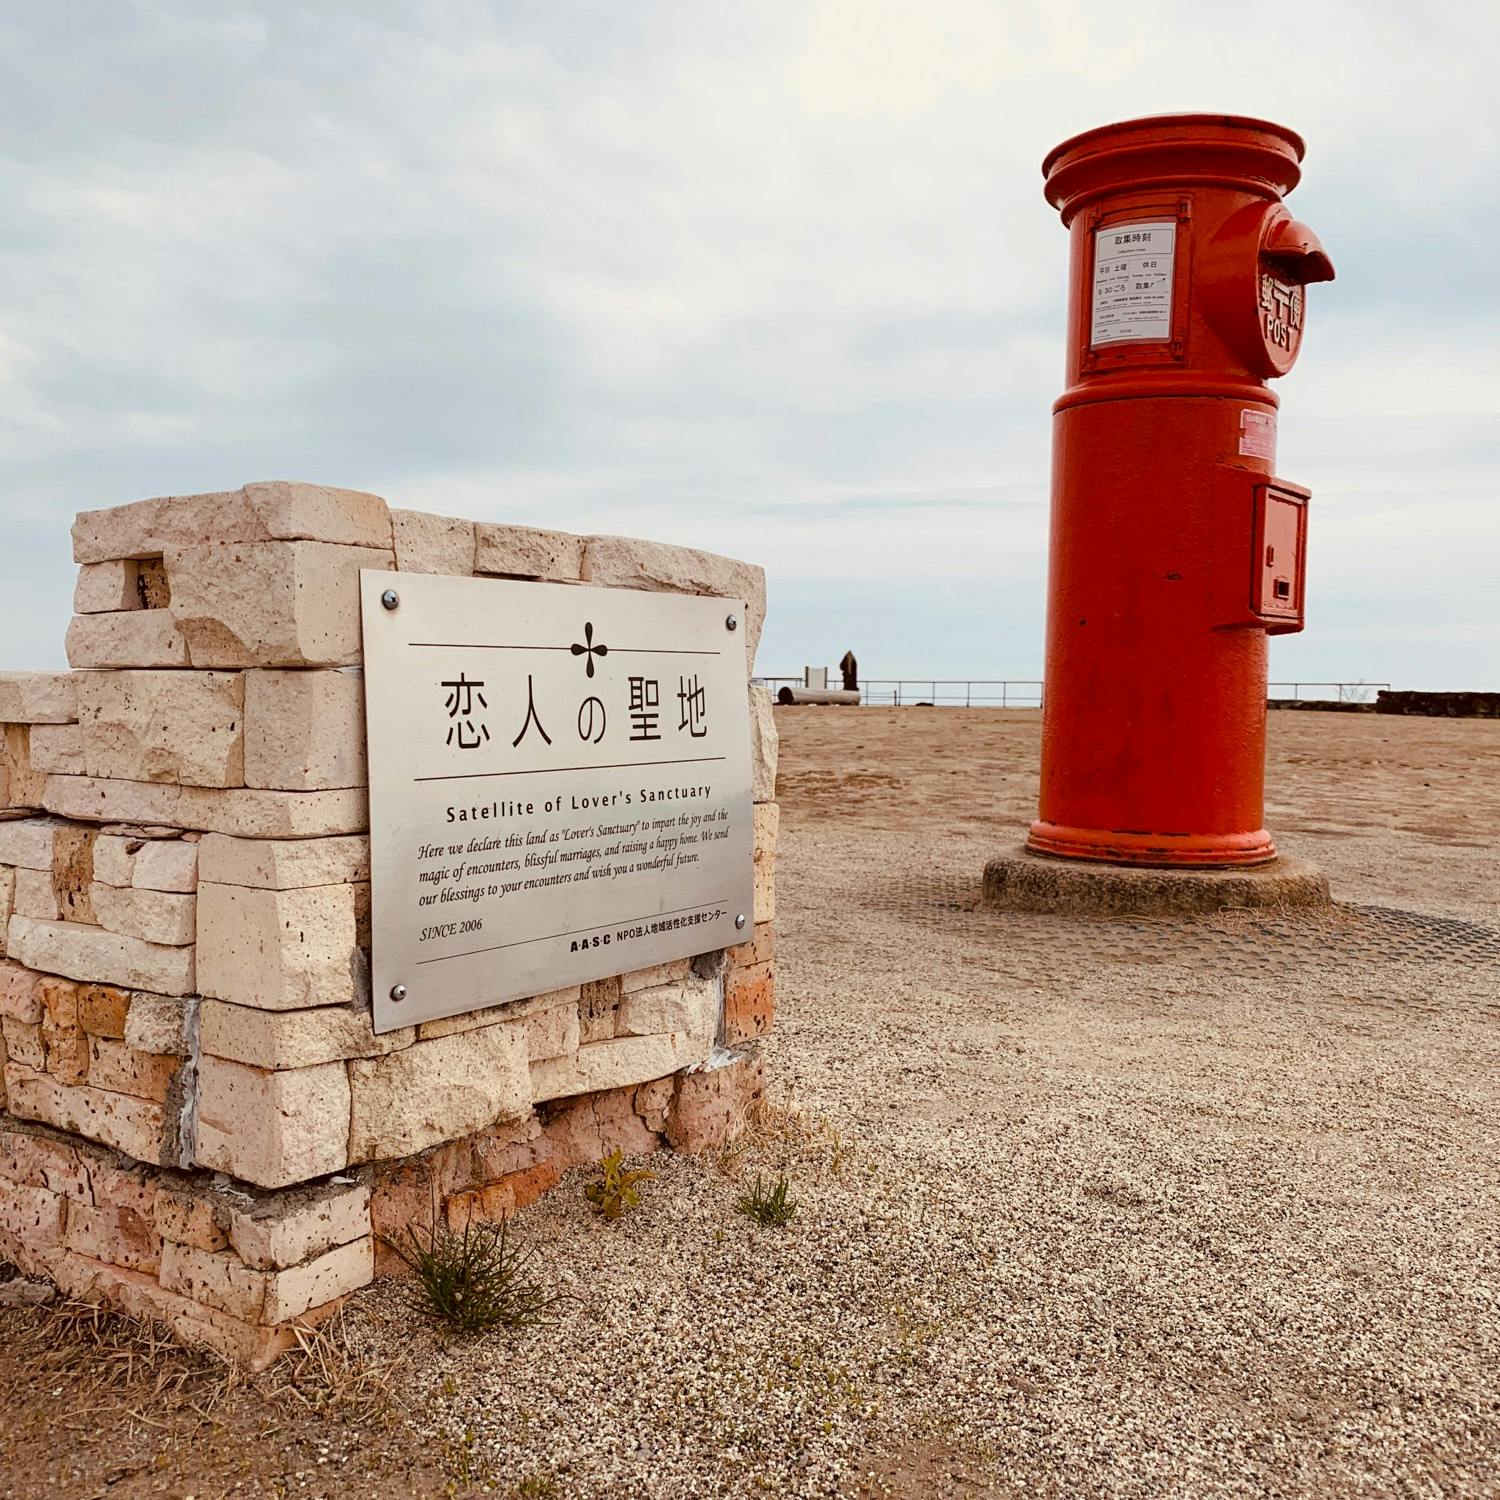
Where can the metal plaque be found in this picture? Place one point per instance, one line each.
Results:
(559, 786)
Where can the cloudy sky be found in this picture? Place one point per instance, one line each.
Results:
(775, 279)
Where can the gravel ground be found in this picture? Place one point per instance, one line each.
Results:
(1181, 1208)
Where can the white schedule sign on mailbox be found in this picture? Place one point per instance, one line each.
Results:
(1133, 283)
(559, 786)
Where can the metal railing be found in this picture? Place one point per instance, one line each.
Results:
(1338, 692)
(941, 692)
(1019, 692)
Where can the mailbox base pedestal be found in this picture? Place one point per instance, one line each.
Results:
(1023, 881)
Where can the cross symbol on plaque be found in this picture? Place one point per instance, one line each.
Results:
(588, 649)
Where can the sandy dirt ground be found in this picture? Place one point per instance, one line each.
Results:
(1203, 1207)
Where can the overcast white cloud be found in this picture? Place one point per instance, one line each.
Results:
(774, 279)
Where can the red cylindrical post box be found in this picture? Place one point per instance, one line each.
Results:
(1174, 549)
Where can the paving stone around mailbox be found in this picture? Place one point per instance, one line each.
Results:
(278, 950)
(283, 864)
(433, 544)
(187, 728)
(304, 731)
(132, 638)
(37, 698)
(437, 1091)
(293, 1038)
(91, 953)
(272, 1128)
(268, 510)
(527, 552)
(270, 604)
(244, 812)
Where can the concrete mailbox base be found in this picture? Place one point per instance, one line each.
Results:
(1022, 881)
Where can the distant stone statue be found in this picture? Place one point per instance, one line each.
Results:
(850, 668)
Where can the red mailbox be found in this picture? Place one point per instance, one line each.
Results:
(1175, 550)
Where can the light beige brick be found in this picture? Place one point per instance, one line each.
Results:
(26, 785)
(264, 511)
(7, 902)
(269, 1128)
(767, 822)
(433, 544)
(103, 587)
(114, 858)
(188, 1218)
(158, 916)
(216, 1278)
(56, 749)
(270, 604)
(437, 1091)
(90, 953)
(240, 812)
(20, 992)
(625, 562)
(135, 1126)
(291, 1227)
(293, 1038)
(156, 1023)
(690, 1006)
(497, 1015)
(187, 728)
(123, 1070)
(24, 1044)
(166, 865)
(130, 638)
(336, 1273)
(552, 1033)
(667, 973)
(304, 731)
(278, 950)
(35, 897)
(28, 842)
(615, 1064)
(37, 698)
(283, 864)
(117, 1236)
(527, 552)
(765, 744)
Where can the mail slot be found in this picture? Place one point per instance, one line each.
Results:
(1175, 547)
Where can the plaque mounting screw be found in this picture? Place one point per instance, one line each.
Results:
(739, 921)
(398, 992)
(391, 599)
(731, 622)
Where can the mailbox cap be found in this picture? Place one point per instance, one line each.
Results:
(1176, 150)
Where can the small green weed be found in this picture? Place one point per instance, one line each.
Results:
(772, 1207)
(476, 1280)
(617, 1191)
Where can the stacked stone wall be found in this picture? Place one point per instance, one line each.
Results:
(185, 931)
